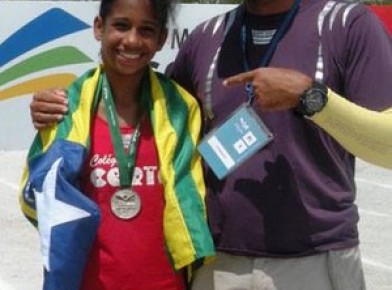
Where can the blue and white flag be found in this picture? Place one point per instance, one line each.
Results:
(67, 220)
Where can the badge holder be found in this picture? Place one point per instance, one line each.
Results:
(233, 142)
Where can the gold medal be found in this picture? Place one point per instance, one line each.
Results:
(125, 204)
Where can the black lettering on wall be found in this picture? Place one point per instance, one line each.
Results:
(177, 38)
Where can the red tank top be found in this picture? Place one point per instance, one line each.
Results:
(127, 254)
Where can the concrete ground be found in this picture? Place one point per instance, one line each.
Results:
(20, 262)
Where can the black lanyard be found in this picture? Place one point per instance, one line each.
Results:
(266, 57)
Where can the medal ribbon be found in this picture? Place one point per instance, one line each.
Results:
(126, 162)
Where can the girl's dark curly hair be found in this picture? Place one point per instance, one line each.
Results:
(162, 9)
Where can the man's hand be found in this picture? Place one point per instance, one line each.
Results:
(274, 88)
(48, 107)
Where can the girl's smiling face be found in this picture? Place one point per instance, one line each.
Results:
(130, 36)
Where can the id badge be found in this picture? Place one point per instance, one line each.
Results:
(233, 142)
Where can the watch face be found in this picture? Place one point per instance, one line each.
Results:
(314, 101)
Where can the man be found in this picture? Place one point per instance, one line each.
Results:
(286, 218)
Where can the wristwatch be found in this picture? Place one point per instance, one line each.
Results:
(312, 100)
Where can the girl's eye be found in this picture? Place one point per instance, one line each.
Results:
(121, 26)
(148, 30)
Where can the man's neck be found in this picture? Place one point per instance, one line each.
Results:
(267, 7)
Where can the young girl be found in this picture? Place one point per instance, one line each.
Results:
(129, 145)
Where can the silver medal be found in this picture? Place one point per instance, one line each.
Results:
(125, 204)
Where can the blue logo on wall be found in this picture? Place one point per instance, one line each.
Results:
(49, 26)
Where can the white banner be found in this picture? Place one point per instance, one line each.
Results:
(48, 44)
